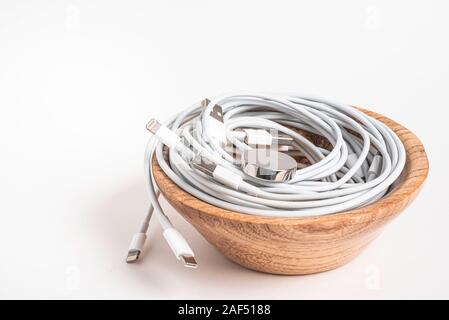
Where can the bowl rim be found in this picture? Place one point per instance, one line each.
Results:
(412, 178)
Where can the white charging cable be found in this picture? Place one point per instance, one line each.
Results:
(363, 159)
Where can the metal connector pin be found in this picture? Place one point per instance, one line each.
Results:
(217, 110)
(153, 126)
(204, 165)
(217, 113)
(133, 256)
(205, 103)
(189, 261)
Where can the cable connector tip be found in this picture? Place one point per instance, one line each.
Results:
(136, 247)
(133, 256)
(153, 126)
(189, 261)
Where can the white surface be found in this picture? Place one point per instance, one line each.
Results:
(79, 80)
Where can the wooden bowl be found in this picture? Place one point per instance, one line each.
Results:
(298, 246)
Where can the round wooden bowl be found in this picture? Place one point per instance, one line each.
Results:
(297, 246)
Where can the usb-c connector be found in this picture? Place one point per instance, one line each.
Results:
(180, 247)
(189, 261)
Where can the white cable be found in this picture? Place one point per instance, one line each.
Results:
(365, 159)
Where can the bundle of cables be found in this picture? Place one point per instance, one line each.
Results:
(215, 148)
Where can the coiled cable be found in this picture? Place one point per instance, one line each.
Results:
(364, 159)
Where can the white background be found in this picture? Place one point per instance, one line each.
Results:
(79, 80)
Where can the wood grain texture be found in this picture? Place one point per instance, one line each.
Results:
(297, 246)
